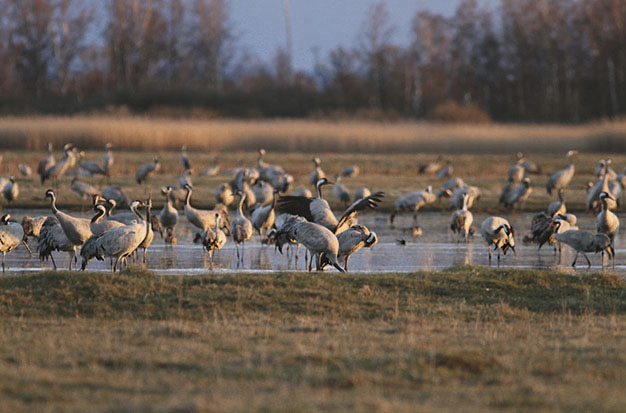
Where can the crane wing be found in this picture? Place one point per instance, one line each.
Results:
(360, 205)
(295, 205)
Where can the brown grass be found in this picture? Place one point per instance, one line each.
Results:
(395, 174)
(143, 133)
(465, 339)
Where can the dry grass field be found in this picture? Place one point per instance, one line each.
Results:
(218, 135)
(465, 339)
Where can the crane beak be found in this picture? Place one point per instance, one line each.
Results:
(513, 249)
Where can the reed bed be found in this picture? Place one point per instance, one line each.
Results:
(144, 133)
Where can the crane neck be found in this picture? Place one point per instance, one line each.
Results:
(217, 221)
(240, 207)
(319, 191)
(187, 198)
(133, 208)
(605, 206)
(98, 217)
(464, 207)
(53, 203)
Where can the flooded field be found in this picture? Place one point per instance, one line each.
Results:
(398, 250)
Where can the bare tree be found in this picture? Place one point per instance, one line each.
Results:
(212, 40)
(136, 37)
(68, 35)
(30, 41)
(374, 46)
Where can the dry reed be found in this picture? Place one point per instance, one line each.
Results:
(143, 133)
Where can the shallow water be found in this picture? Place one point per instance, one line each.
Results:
(436, 249)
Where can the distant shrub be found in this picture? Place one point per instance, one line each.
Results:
(450, 111)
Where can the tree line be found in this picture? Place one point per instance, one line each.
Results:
(523, 60)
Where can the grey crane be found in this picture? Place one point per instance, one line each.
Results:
(558, 207)
(83, 189)
(462, 220)
(169, 237)
(545, 227)
(263, 193)
(202, 219)
(184, 159)
(185, 178)
(213, 238)
(241, 228)
(529, 166)
(247, 176)
(352, 240)
(11, 235)
(305, 192)
(317, 209)
(562, 178)
(516, 172)
(211, 170)
(593, 195)
(351, 171)
(46, 162)
(268, 172)
(117, 194)
(107, 159)
(263, 218)
(117, 243)
(317, 239)
(149, 236)
(340, 191)
(498, 232)
(25, 170)
(92, 167)
(169, 214)
(412, 202)
(32, 226)
(518, 195)
(11, 190)
(361, 192)
(53, 238)
(585, 241)
(224, 194)
(99, 223)
(606, 221)
(59, 168)
(318, 172)
(431, 167)
(146, 170)
(473, 194)
(602, 169)
(450, 186)
(446, 171)
(77, 230)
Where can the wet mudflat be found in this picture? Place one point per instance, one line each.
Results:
(398, 250)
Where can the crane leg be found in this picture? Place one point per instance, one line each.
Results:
(587, 258)
(28, 248)
(575, 258)
(489, 250)
(4, 254)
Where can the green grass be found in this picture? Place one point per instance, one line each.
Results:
(467, 338)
